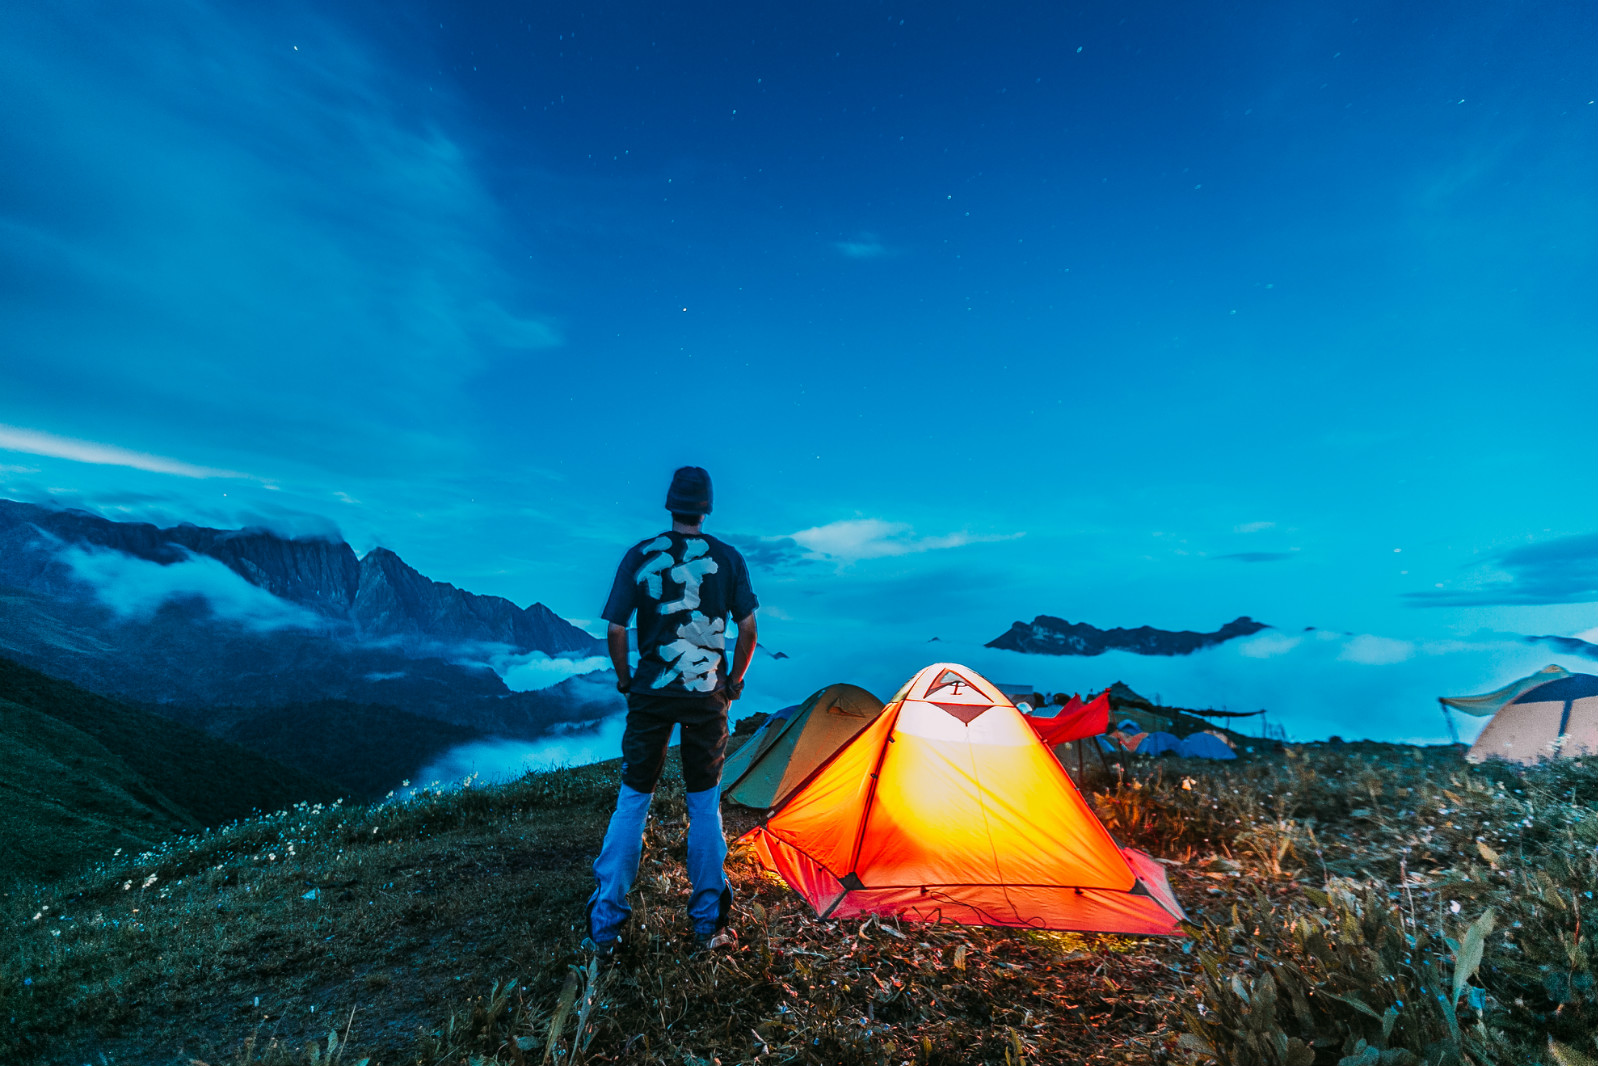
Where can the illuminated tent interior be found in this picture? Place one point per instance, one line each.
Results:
(791, 744)
(949, 808)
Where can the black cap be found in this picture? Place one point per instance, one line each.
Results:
(690, 491)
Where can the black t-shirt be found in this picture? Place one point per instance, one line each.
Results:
(683, 586)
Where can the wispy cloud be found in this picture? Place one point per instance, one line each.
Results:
(34, 442)
(1368, 649)
(872, 538)
(137, 588)
(247, 243)
(1258, 557)
(1253, 527)
(1562, 570)
(865, 246)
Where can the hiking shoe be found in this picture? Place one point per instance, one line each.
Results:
(726, 936)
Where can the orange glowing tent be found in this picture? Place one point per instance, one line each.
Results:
(949, 808)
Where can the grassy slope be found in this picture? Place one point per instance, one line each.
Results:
(83, 771)
(64, 797)
(363, 748)
(1324, 881)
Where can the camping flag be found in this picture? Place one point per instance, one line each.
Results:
(1075, 720)
(948, 808)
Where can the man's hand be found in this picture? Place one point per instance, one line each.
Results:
(742, 652)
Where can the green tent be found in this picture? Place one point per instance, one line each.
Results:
(791, 744)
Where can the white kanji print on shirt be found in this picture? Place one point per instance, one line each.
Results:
(690, 574)
(657, 557)
(696, 654)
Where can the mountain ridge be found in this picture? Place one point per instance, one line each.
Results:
(379, 594)
(1047, 635)
(189, 617)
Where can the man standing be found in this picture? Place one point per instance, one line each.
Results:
(684, 585)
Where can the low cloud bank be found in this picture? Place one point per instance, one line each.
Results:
(530, 673)
(504, 760)
(137, 588)
(1314, 682)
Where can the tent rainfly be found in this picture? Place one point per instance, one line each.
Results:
(1553, 719)
(1489, 703)
(950, 808)
(790, 744)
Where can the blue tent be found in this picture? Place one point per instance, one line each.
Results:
(1204, 746)
(1159, 743)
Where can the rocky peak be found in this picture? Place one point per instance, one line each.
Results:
(1047, 635)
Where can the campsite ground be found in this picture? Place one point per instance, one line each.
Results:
(1337, 890)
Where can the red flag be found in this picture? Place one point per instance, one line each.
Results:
(1075, 721)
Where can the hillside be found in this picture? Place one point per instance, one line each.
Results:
(1357, 904)
(364, 749)
(85, 775)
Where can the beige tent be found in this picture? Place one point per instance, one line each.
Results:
(791, 744)
(1552, 720)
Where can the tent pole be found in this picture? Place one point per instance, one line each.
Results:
(1449, 718)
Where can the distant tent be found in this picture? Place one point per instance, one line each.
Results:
(1488, 704)
(1128, 741)
(1556, 719)
(1158, 743)
(949, 808)
(790, 744)
(1205, 746)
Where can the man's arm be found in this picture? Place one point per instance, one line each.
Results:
(742, 652)
(616, 640)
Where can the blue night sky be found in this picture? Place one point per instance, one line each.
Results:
(1132, 314)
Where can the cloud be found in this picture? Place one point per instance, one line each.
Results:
(525, 673)
(575, 744)
(1563, 570)
(1253, 527)
(1267, 645)
(1569, 645)
(137, 588)
(1370, 650)
(34, 442)
(865, 246)
(770, 553)
(1258, 557)
(854, 539)
(257, 222)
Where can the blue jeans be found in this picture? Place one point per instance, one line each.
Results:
(617, 866)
